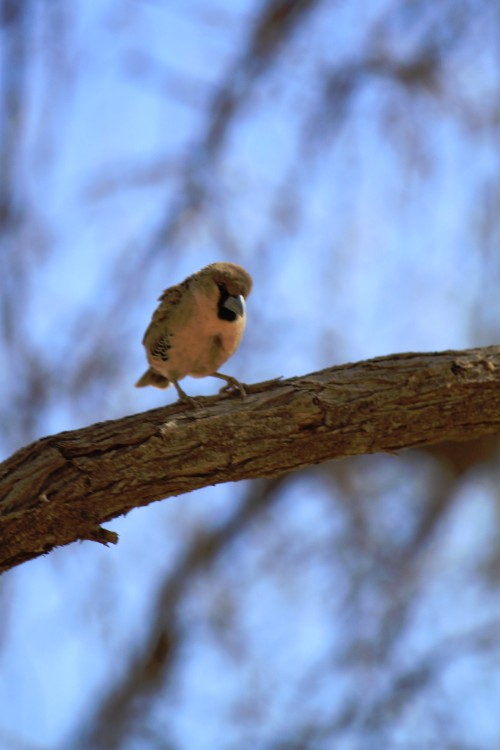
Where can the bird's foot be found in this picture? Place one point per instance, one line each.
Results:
(232, 385)
(191, 401)
(188, 400)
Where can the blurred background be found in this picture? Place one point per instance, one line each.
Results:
(348, 155)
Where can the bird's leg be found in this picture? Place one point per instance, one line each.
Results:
(183, 395)
(232, 384)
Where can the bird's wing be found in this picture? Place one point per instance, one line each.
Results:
(174, 306)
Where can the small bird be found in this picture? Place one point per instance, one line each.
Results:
(196, 327)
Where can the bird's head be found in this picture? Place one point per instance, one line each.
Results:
(230, 285)
(233, 278)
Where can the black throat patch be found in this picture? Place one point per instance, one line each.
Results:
(222, 312)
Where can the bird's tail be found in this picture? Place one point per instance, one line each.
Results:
(151, 377)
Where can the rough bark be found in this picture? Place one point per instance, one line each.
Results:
(62, 487)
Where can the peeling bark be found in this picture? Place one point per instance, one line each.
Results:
(62, 487)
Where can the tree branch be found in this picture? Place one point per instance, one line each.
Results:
(62, 487)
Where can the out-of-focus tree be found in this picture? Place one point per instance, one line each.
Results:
(348, 157)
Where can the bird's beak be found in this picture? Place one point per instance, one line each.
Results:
(235, 304)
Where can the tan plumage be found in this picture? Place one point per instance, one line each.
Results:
(196, 327)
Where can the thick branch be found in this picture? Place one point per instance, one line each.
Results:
(62, 487)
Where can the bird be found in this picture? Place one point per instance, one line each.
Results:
(196, 327)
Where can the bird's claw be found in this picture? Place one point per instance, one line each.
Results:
(234, 386)
(190, 401)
